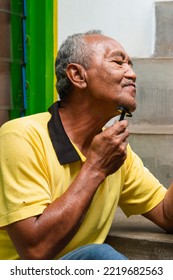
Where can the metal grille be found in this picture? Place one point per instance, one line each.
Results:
(12, 58)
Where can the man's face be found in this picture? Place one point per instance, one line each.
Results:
(111, 78)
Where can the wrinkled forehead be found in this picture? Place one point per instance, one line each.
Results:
(104, 44)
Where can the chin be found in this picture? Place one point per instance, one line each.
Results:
(132, 109)
(132, 106)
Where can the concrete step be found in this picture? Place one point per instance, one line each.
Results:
(151, 127)
(154, 91)
(139, 239)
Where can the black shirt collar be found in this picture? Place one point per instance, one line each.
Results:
(63, 147)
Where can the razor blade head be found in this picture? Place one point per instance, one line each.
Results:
(124, 112)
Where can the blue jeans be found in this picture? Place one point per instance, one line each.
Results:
(94, 252)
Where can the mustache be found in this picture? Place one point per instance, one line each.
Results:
(127, 83)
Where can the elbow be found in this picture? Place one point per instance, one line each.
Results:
(40, 251)
(34, 254)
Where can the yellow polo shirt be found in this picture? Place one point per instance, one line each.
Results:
(37, 164)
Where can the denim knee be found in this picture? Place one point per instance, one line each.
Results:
(95, 252)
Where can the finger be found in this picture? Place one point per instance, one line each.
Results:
(120, 126)
(117, 127)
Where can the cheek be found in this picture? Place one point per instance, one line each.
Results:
(110, 80)
(115, 77)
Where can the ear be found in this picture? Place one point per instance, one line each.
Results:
(76, 74)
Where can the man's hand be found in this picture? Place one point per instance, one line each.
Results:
(108, 149)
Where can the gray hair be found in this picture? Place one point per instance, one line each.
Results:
(75, 49)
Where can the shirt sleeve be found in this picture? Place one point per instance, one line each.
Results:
(141, 190)
(24, 182)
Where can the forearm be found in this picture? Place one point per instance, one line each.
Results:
(65, 215)
(162, 214)
(45, 236)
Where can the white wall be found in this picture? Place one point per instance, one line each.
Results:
(131, 22)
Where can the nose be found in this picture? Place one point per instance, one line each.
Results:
(129, 72)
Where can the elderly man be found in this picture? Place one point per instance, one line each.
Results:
(63, 175)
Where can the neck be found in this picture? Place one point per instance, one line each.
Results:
(82, 123)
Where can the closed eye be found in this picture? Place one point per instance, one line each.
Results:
(120, 62)
(130, 63)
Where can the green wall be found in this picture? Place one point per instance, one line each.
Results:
(33, 91)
